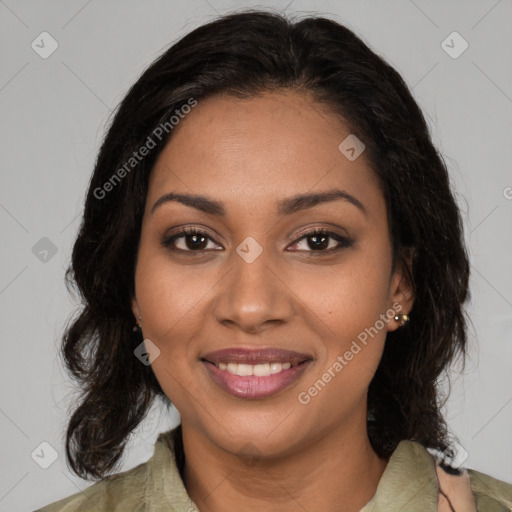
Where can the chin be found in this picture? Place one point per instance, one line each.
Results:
(256, 433)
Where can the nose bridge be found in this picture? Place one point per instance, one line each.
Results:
(252, 267)
(252, 294)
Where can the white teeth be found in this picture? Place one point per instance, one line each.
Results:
(244, 370)
(259, 370)
(276, 367)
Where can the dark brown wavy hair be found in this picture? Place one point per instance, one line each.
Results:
(243, 54)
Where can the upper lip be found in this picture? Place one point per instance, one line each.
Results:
(255, 356)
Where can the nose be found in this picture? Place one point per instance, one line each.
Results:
(254, 296)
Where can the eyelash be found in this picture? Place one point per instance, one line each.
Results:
(343, 242)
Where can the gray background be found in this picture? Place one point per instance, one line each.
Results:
(53, 115)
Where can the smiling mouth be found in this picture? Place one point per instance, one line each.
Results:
(255, 373)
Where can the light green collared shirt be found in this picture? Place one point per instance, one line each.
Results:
(408, 484)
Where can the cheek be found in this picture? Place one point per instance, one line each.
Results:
(345, 298)
(174, 301)
(348, 304)
(169, 295)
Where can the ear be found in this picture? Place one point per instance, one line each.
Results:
(402, 289)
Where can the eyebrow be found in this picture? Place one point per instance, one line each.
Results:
(286, 206)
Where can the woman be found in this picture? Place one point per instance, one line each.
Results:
(271, 244)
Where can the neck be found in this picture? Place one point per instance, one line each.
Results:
(335, 472)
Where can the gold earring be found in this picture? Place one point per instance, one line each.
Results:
(402, 318)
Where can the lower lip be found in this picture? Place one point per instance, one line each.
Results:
(252, 387)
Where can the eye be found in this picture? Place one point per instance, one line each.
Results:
(196, 240)
(320, 241)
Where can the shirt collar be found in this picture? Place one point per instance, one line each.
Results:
(164, 487)
(409, 481)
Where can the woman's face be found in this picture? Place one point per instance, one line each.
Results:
(252, 286)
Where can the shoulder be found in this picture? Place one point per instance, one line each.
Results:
(151, 486)
(115, 493)
(491, 494)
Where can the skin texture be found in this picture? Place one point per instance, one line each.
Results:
(273, 453)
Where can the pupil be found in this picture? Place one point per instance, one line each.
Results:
(320, 245)
(195, 239)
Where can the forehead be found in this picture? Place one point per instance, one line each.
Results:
(274, 145)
